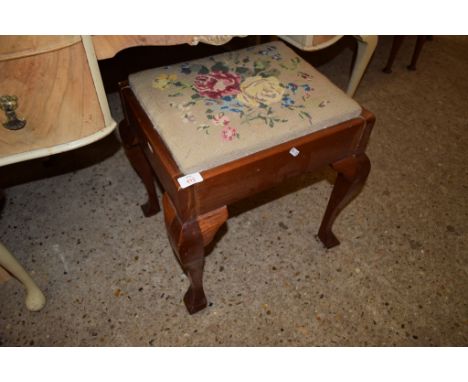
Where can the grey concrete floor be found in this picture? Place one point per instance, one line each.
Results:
(399, 277)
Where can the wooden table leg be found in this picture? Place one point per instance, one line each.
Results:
(140, 164)
(352, 173)
(397, 41)
(417, 50)
(188, 240)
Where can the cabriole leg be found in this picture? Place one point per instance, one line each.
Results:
(352, 174)
(188, 240)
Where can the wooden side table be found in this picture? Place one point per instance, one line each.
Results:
(397, 41)
(54, 101)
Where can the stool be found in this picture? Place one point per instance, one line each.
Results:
(217, 130)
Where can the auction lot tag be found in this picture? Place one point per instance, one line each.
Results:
(294, 152)
(190, 179)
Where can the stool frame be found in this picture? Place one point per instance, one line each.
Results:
(194, 214)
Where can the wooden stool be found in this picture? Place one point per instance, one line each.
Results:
(220, 129)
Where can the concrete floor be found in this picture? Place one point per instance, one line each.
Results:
(399, 277)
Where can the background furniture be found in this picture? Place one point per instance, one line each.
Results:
(397, 41)
(365, 49)
(35, 299)
(60, 96)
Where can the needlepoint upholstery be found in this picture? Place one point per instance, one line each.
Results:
(217, 109)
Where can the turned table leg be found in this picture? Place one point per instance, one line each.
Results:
(188, 239)
(396, 44)
(352, 173)
(140, 164)
(35, 299)
(417, 50)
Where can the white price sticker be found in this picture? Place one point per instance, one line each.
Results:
(294, 152)
(150, 147)
(190, 179)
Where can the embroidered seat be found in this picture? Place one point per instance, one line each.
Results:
(221, 108)
(216, 130)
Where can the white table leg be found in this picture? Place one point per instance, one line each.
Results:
(366, 47)
(35, 299)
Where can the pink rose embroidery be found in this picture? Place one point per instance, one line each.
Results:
(217, 84)
(220, 119)
(228, 133)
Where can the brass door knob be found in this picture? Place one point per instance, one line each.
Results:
(9, 104)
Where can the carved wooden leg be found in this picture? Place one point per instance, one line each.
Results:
(352, 173)
(194, 298)
(188, 240)
(417, 50)
(397, 40)
(140, 164)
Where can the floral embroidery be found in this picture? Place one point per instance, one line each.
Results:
(259, 90)
(291, 86)
(220, 119)
(229, 133)
(242, 88)
(271, 52)
(305, 76)
(185, 68)
(292, 64)
(163, 81)
(217, 84)
(186, 113)
(287, 101)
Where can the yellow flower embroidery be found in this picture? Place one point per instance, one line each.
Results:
(163, 81)
(257, 90)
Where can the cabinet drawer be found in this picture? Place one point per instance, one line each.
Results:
(56, 97)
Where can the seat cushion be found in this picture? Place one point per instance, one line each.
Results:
(217, 109)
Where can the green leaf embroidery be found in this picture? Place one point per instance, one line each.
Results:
(294, 62)
(303, 114)
(219, 67)
(242, 70)
(205, 128)
(270, 73)
(203, 70)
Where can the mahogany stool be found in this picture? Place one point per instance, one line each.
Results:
(220, 129)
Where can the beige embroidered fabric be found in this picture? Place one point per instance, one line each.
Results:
(221, 108)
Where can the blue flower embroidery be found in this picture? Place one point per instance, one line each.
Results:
(185, 68)
(271, 52)
(228, 104)
(287, 101)
(292, 87)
